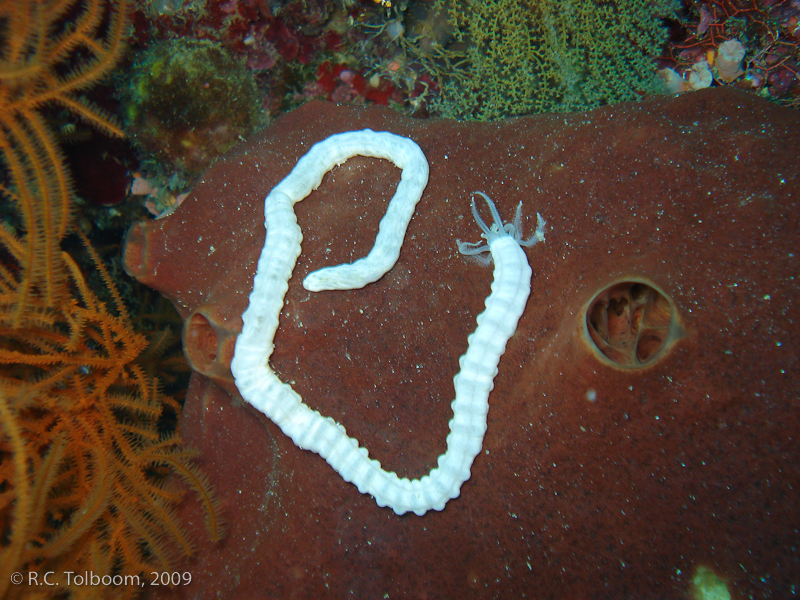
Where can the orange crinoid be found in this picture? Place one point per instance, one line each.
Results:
(82, 460)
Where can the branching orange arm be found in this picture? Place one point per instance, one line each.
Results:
(95, 503)
(77, 35)
(105, 60)
(9, 558)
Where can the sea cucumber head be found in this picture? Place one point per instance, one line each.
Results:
(499, 230)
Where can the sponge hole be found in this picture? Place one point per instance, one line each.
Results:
(631, 324)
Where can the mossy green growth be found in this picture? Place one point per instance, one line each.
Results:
(533, 56)
(707, 585)
(187, 102)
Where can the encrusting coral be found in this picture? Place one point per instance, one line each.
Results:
(753, 45)
(83, 461)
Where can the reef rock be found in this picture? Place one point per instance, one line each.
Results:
(643, 426)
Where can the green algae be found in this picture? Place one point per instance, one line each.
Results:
(533, 56)
(188, 101)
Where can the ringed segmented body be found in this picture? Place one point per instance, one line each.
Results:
(310, 430)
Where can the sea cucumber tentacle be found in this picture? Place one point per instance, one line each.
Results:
(310, 430)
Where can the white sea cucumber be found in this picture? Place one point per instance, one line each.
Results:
(309, 430)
